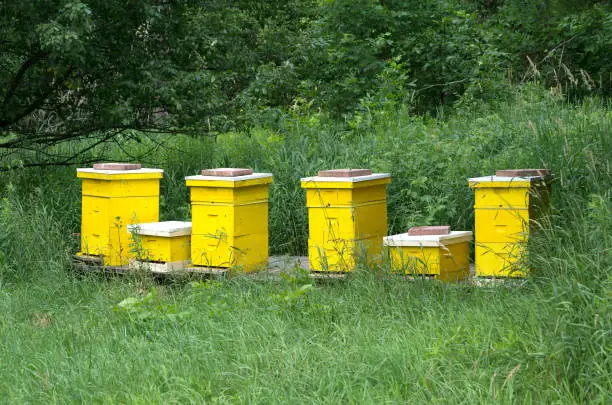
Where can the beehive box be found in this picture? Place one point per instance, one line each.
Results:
(167, 243)
(445, 257)
(347, 217)
(229, 214)
(506, 207)
(114, 196)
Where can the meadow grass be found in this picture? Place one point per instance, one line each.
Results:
(69, 337)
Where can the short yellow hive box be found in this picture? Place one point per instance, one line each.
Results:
(347, 217)
(445, 257)
(506, 207)
(229, 215)
(166, 243)
(116, 195)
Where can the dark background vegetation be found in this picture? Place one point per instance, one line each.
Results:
(72, 69)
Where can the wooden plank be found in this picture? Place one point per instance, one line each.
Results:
(93, 260)
(322, 275)
(492, 282)
(95, 267)
(213, 271)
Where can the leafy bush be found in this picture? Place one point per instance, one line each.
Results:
(563, 43)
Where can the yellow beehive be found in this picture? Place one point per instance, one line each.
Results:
(446, 257)
(505, 209)
(229, 214)
(347, 217)
(162, 242)
(115, 196)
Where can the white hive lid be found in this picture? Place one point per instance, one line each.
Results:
(509, 175)
(403, 239)
(231, 178)
(492, 179)
(356, 179)
(165, 229)
(137, 171)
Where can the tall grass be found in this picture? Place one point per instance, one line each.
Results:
(372, 338)
(32, 240)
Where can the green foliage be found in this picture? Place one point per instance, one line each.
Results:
(315, 84)
(97, 69)
(292, 298)
(562, 43)
(370, 338)
(102, 69)
(149, 307)
(356, 51)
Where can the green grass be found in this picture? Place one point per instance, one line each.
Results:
(366, 340)
(67, 338)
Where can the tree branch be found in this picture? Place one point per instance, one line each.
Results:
(35, 105)
(16, 80)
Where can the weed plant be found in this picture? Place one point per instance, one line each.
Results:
(372, 338)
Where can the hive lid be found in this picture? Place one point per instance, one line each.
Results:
(513, 178)
(353, 179)
(227, 172)
(403, 239)
(92, 172)
(165, 229)
(234, 179)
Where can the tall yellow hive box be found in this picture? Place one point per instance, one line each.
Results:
(347, 217)
(162, 246)
(506, 206)
(114, 196)
(229, 215)
(443, 255)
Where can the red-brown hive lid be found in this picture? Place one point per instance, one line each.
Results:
(117, 166)
(345, 173)
(523, 173)
(227, 172)
(429, 230)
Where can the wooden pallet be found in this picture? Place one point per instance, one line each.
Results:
(96, 264)
(276, 266)
(211, 271)
(328, 275)
(497, 281)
